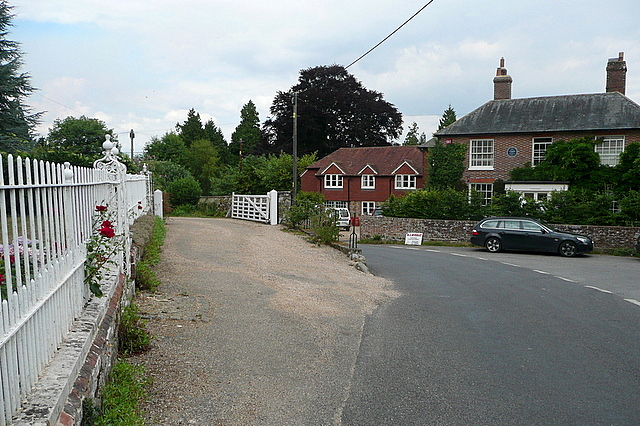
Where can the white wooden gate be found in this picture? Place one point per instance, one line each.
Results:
(259, 208)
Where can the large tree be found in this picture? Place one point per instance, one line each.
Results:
(414, 137)
(334, 110)
(16, 118)
(169, 147)
(247, 133)
(77, 140)
(448, 117)
(191, 130)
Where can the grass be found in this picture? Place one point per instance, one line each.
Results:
(124, 390)
(145, 276)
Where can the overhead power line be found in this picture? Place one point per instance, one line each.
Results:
(395, 31)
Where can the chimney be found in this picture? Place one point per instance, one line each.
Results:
(502, 83)
(617, 74)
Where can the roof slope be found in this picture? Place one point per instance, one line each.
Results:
(383, 159)
(599, 111)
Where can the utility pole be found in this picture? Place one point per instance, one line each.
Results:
(295, 148)
(132, 135)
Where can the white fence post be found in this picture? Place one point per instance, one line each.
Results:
(273, 207)
(157, 203)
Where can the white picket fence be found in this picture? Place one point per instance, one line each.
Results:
(47, 212)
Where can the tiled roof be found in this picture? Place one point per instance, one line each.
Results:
(591, 112)
(383, 159)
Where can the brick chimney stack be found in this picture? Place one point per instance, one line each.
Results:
(502, 83)
(617, 74)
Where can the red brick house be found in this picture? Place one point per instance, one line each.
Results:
(507, 133)
(362, 178)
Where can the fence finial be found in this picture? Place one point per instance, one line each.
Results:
(67, 173)
(110, 161)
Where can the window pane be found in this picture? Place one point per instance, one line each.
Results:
(481, 153)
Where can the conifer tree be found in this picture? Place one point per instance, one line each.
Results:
(16, 118)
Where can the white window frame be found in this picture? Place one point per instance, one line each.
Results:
(368, 182)
(537, 155)
(483, 188)
(336, 204)
(405, 182)
(610, 149)
(481, 154)
(368, 207)
(333, 181)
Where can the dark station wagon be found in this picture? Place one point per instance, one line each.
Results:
(527, 234)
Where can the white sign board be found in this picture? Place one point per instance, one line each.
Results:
(413, 238)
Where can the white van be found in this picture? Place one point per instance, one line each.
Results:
(343, 217)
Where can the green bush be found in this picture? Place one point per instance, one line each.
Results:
(165, 172)
(307, 204)
(324, 228)
(446, 203)
(184, 191)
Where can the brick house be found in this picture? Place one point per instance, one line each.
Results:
(362, 178)
(507, 133)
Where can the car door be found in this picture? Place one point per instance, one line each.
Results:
(513, 238)
(537, 238)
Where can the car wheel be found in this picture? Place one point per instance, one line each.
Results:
(493, 244)
(568, 249)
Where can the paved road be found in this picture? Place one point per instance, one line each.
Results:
(499, 339)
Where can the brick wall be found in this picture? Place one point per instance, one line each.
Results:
(457, 231)
(503, 163)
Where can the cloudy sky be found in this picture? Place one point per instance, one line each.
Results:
(142, 64)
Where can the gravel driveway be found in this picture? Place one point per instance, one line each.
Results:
(253, 326)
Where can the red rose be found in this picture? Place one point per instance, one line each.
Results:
(139, 207)
(1, 278)
(101, 208)
(107, 232)
(107, 224)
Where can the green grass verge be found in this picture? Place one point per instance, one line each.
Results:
(122, 394)
(145, 276)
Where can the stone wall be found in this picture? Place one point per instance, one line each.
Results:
(457, 231)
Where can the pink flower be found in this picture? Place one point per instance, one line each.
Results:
(101, 208)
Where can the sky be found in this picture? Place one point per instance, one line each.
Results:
(142, 64)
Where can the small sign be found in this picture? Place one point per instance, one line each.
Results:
(512, 152)
(413, 239)
(448, 141)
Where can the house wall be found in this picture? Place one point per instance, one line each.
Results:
(352, 191)
(459, 231)
(503, 163)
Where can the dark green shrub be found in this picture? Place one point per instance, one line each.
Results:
(165, 172)
(184, 191)
(308, 204)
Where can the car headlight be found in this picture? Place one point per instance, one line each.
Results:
(583, 240)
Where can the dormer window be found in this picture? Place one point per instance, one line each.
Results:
(405, 181)
(333, 181)
(368, 182)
